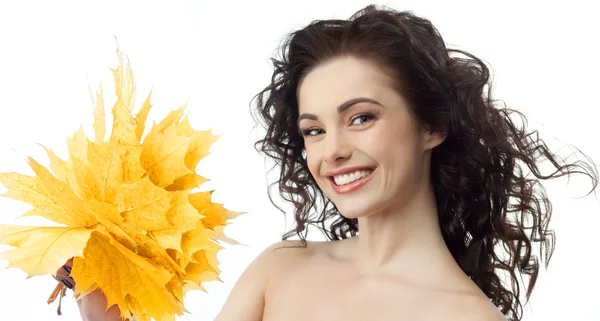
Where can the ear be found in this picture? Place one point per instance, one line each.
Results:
(433, 139)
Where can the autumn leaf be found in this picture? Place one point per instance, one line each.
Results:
(168, 238)
(124, 82)
(144, 205)
(39, 250)
(125, 273)
(200, 271)
(141, 117)
(99, 118)
(50, 197)
(130, 219)
(214, 214)
(57, 165)
(163, 156)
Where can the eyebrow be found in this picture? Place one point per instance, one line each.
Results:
(343, 107)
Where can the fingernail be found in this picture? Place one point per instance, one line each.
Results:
(67, 284)
(68, 269)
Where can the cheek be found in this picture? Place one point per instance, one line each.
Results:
(393, 145)
(312, 161)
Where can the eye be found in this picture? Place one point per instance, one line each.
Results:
(362, 119)
(313, 131)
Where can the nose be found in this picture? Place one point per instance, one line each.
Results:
(336, 148)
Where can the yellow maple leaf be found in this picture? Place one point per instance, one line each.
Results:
(131, 222)
(125, 273)
(57, 165)
(214, 214)
(167, 238)
(144, 205)
(200, 271)
(162, 155)
(39, 250)
(141, 117)
(50, 197)
(99, 117)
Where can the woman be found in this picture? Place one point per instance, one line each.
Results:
(392, 145)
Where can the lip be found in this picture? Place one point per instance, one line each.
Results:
(354, 186)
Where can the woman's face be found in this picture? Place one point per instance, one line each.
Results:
(365, 151)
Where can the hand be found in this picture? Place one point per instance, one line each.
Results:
(92, 306)
(63, 274)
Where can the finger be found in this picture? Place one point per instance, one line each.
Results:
(62, 274)
(59, 276)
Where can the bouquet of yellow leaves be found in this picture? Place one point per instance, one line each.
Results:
(132, 222)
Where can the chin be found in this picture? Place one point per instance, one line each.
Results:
(350, 207)
(363, 205)
(352, 210)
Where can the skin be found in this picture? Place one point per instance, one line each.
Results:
(399, 268)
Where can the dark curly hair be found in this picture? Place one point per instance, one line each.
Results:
(492, 212)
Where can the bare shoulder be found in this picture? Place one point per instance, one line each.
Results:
(247, 298)
(294, 251)
(284, 255)
(281, 254)
(476, 309)
(290, 248)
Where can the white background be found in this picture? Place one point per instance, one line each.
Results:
(214, 54)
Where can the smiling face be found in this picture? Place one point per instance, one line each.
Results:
(363, 147)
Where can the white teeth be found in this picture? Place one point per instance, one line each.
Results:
(351, 177)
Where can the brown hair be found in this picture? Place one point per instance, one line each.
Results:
(491, 211)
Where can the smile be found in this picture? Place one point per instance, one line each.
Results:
(345, 179)
(350, 180)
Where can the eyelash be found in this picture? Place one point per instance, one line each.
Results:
(369, 116)
(306, 132)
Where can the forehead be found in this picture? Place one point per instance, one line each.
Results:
(340, 79)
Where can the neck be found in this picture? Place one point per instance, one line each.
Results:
(404, 237)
